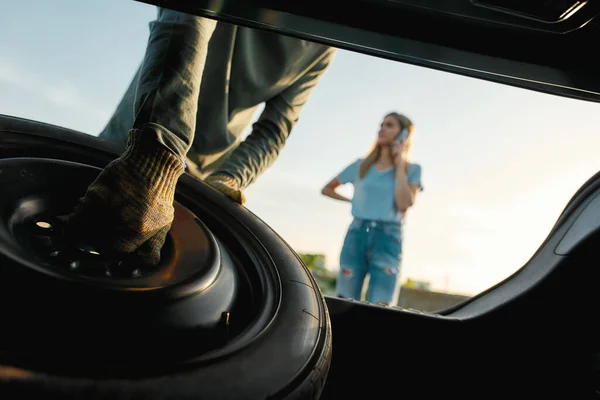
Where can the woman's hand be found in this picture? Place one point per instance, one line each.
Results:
(329, 190)
(398, 154)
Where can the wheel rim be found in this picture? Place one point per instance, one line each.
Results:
(205, 301)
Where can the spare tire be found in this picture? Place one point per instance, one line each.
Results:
(231, 312)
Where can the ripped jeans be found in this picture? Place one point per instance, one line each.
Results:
(374, 248)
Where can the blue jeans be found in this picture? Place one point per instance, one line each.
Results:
(374, 248)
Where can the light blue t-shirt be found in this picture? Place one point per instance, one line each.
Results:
(374, 194)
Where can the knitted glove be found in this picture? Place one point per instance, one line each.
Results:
(228, 186)
(128, 209)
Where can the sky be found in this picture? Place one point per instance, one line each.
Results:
(499, 163)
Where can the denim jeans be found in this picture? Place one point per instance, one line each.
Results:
(374, 248)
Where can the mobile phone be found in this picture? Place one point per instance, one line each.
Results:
(402, 136)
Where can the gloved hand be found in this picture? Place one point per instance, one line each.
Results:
(128, 209)
(228, 186)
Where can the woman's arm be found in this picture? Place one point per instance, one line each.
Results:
(405, 193)
(329, 190)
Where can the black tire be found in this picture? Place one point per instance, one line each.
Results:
(289, 353)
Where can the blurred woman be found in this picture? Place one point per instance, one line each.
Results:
(386, 184)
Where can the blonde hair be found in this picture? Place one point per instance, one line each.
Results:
(375, 151)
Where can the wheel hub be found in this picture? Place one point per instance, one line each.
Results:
(187, 298)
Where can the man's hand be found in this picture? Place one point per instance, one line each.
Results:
(228, 186)
(128, 209)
